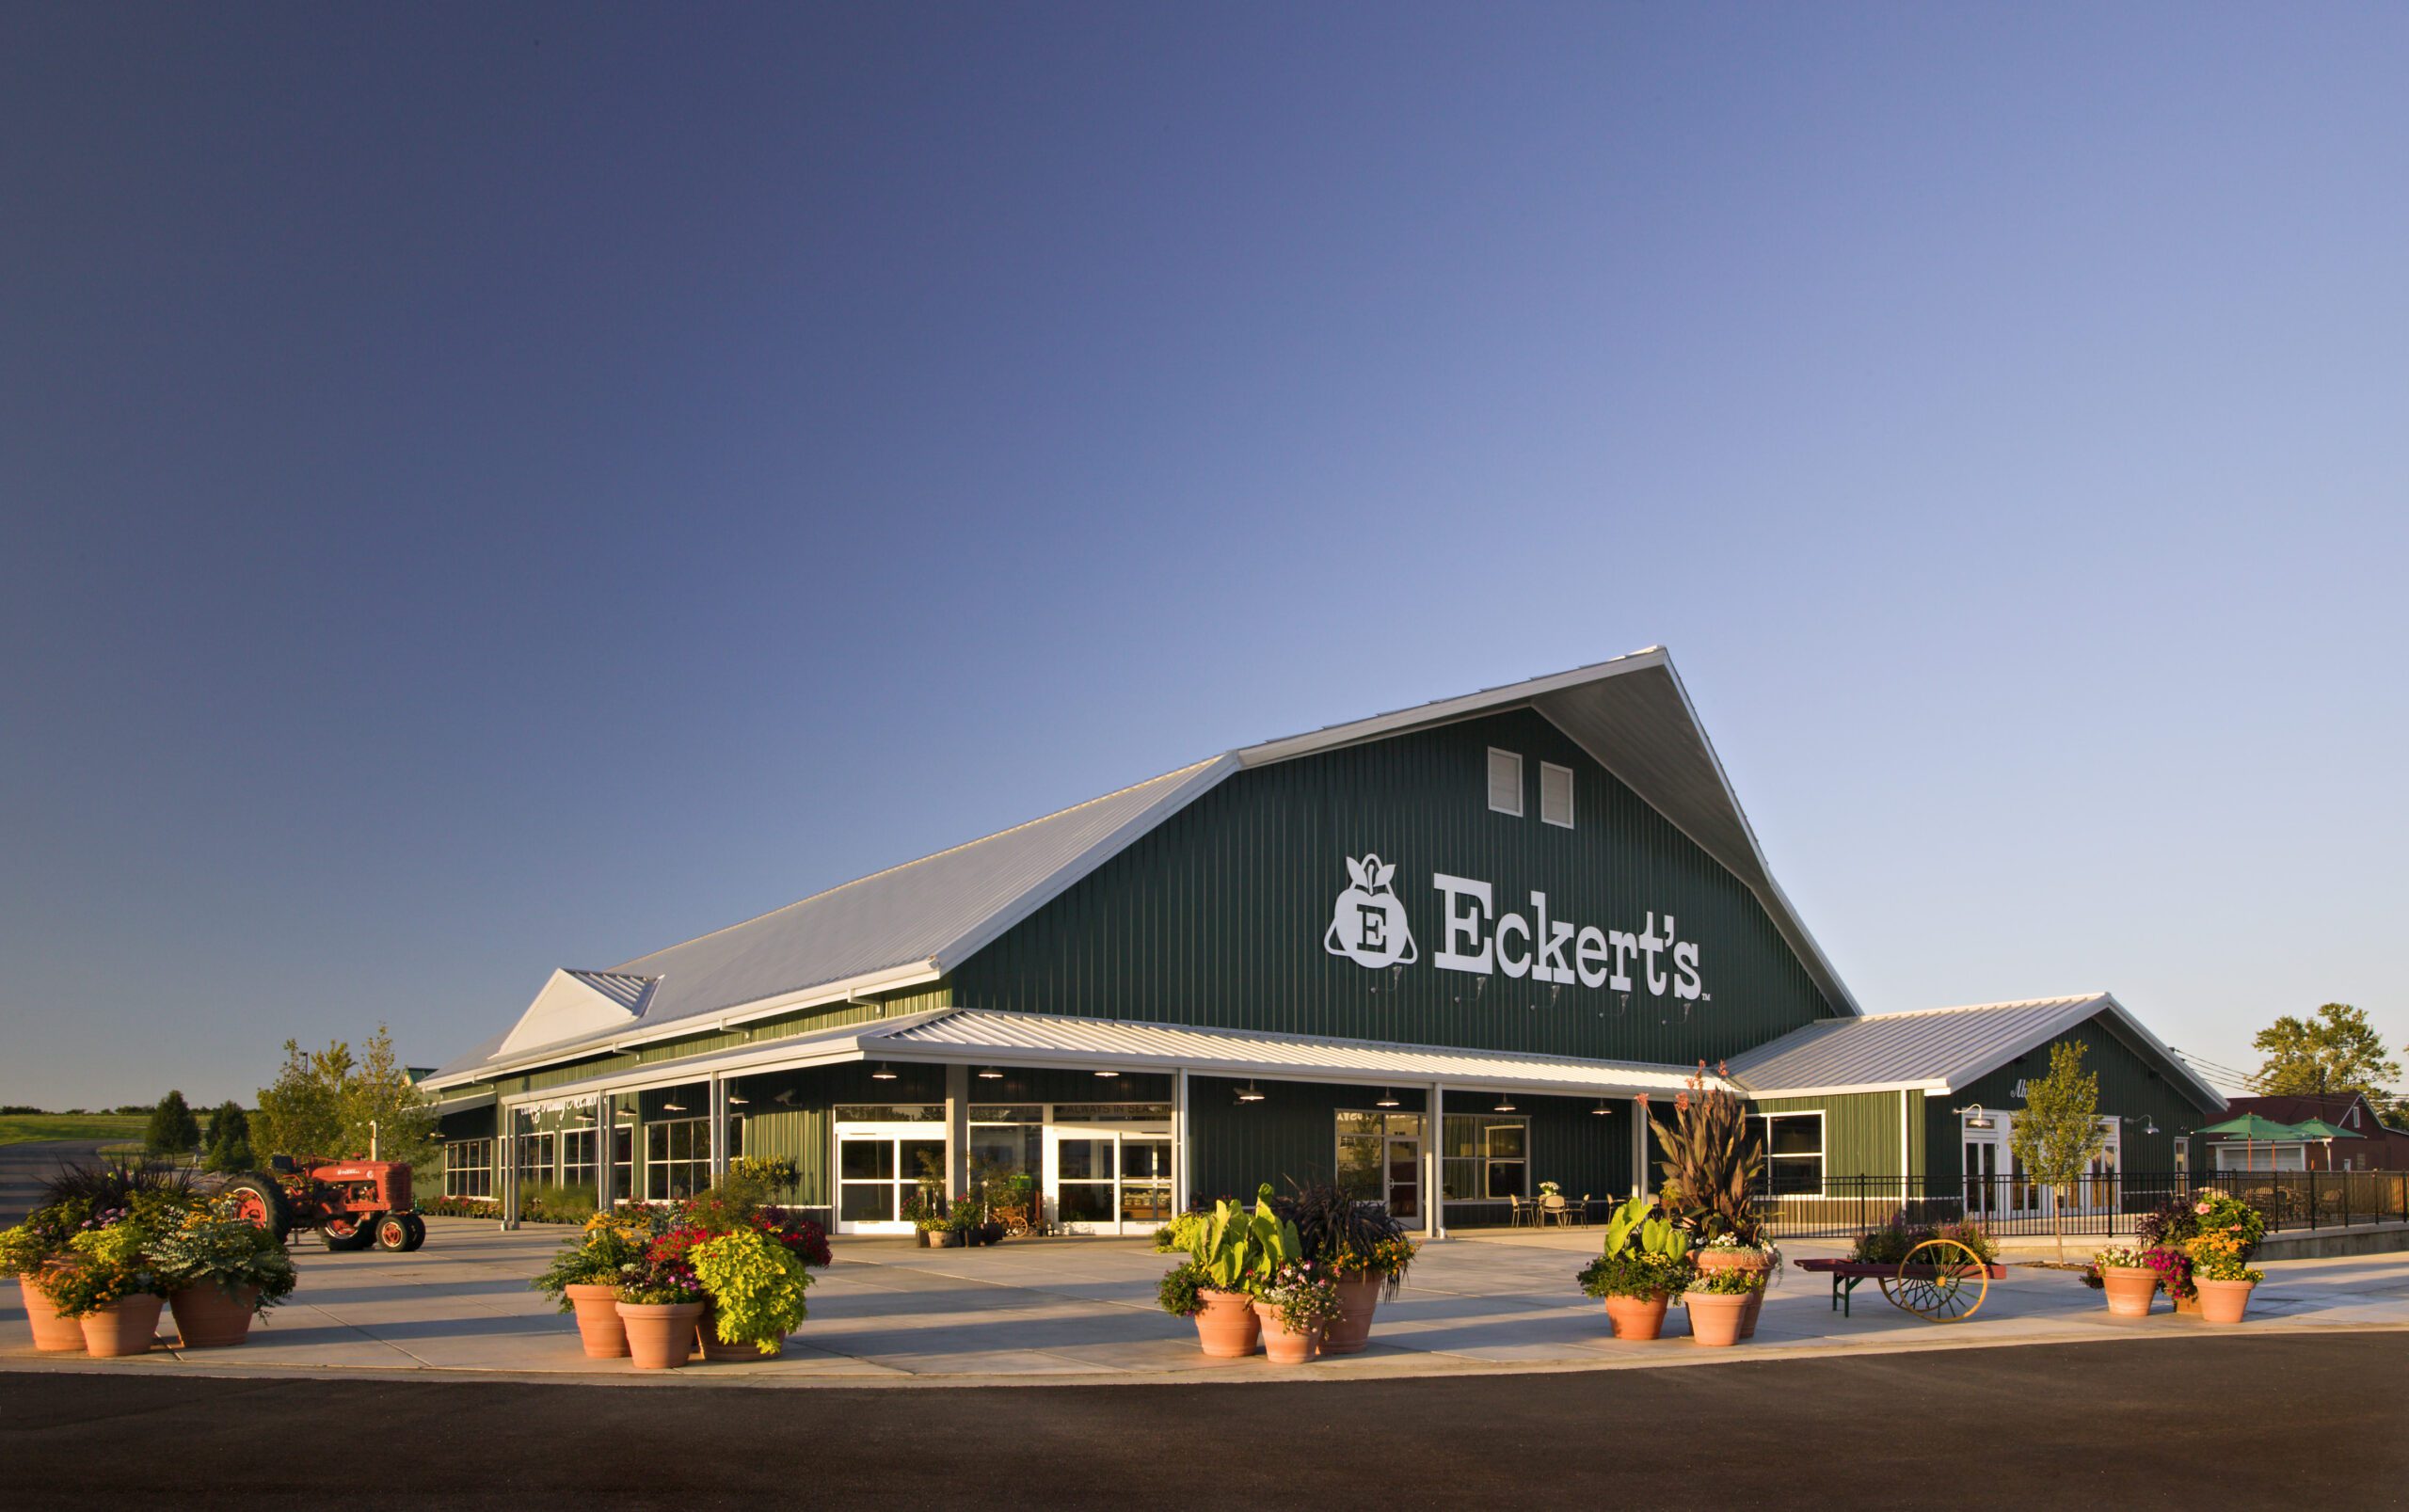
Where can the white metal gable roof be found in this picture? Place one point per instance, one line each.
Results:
(914, 922)
(1936, 1049)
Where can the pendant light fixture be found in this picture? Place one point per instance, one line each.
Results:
(1504, 1105)
(1601, 1110)
(1107, 1074)
(1387, 1098)
(881, 1072)
(990, 1073)
(1247, 1093)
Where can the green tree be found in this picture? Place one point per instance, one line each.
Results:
(301, 1113)
(2333, 1050)
(379, 1090)
(173, 1130)
(229, 1139)
(330, 1102)
(2058, 1134)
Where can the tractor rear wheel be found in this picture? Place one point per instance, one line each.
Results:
(344, 1232)
(417, 1233)
(392, 1233)
(260, 1200)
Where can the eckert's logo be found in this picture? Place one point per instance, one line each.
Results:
(1369, 928)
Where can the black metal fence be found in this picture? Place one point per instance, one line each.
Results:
(2100, 1205)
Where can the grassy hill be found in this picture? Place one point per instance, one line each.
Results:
(15, 1128)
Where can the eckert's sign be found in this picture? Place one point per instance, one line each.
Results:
(1369, 928)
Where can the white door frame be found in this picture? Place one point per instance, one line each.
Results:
(1151, 1131)
(930, 1130)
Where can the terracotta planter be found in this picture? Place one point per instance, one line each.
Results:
(125, 1327)
(1226, 1327)
(2130, 1289)
(2223, 1301)
(1359, 1297)
(2188, 1305)
(53, 1334)
(1716, 1317)
(706, 1329)
(208, 1316)
(1711, 1261)
(598, 1327)
(1282, 1344)
(1638, 1317)
(660, 1335)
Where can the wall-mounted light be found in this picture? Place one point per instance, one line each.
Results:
(1248, 1092)
(881, 1072)
(734, 1101)
(990, 1073)
(673, 1108)
(1386, 1099)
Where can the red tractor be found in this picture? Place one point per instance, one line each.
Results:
(352, 1203)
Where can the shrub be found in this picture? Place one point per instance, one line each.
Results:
(756, 1287)
(217, 1246)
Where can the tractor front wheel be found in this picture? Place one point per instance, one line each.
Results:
(392, 1232)
(344, 1232)
(418, 1232)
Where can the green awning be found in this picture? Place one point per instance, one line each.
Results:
(2251, 1126)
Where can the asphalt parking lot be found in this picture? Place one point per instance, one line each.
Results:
(2175, 1422)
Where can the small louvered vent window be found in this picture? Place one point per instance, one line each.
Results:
(1556, 795)
(1505, 783)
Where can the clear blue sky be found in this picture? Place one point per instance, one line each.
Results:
(489, 488)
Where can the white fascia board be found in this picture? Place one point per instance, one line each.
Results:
(1445, 712)
(828, 1047)
(1762, 1092)
(987, 931)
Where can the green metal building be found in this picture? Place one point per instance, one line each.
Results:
(1442, 954)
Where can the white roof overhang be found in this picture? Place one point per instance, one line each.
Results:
(950, 1036)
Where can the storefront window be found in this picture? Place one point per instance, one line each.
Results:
(890, 1113)
(1110, 1113)
(534, 1160)
(1487, 1156)
(676, 1159)
(577, 1157)
(1794, 1153)
(467, 1169)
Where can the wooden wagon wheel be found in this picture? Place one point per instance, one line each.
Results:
(1940, 1282)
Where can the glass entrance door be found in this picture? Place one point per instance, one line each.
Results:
(1983, 1194)
(1107, 1180)
(1379, 1159)
(879, 1168)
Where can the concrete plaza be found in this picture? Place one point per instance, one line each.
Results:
(1083, 1310)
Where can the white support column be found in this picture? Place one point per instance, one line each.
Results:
(1903, 1148)
(505, 1147)
(1179, 1162)
(605, 1174)
(717, 1102)
(1434, 1199)
(957, 1132)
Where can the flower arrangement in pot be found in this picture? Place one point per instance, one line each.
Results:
(1711, 1167)
(1644, 1265)
(108, 1285)
(220, 1270)
(1358, 1246)
(584, 1276)
(1228, 1257)
(1296, 1304)
(2130, 1276)
(43, 1245)
(661, 1301)
(2229, 1232)
(1717, 1302)
(754, 1283)
(2163, 1234)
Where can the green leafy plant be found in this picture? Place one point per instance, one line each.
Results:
(1177, 1294)
(1235, 1249)
(1634, 1272)
(216, 1246)
(1711, 1166)
(2058, 1134)
(598, 1257)
(756, 1286)
(1641, 1225)
(775, 1174)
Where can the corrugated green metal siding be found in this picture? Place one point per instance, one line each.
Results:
(2132, 1084)
(1861, 1131)
(1217, 917)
